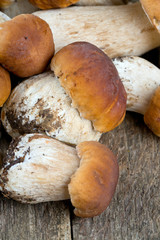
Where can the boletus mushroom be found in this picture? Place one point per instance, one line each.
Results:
(38, 168)
(85, 99)
(26, 45)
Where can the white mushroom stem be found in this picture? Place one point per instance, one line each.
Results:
(140, 79)
(3, 17)
(38, 169)
(117, 30)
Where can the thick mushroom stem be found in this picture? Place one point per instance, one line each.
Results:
(117, 30)
(140, 79)
(38, 168)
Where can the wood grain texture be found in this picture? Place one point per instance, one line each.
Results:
(134, 211)
(47, 221)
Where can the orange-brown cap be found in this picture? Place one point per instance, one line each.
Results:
(48, 4)
(92, 81)
(94, 182)
(152, 10)
(26, 45)
(152, 115)
(5, 85)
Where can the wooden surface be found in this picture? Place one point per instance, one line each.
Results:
(134, 213)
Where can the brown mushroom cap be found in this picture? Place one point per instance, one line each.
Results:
(93, 184)
(91, 80)
(152, 115)
(152, 10)
(48, 4)
(26, 45)
(5, 85)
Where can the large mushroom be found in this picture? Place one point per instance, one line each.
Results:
(38, 168)
(90, 100)
(117, 30)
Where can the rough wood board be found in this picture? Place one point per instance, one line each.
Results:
(134, 213)
(46, 221)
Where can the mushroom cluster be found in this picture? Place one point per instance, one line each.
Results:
(65, 102)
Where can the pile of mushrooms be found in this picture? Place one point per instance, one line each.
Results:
(56, 116)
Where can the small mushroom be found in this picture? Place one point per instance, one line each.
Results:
(5, 85)
(22, 44)
(117, 30)
(93, 184)
(91, 80)
(38, 168)
(90, 83)
(141, 80)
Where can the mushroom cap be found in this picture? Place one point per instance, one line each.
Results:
(91, 80)
(5, 85)
(48, 4)
(93, 184)
(152, 114)
(152, 10)
(26, 45)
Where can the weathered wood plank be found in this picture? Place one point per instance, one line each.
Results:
(47, 221)
(134, 211)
